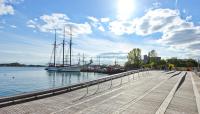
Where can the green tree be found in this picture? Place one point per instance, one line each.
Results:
(183, 62)
(134, 58)
(170, 66)
(162, 64)
(152, 54)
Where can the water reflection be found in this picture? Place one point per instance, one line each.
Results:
(28, 79)
(66, 78)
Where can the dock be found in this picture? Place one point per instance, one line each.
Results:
(144, 92)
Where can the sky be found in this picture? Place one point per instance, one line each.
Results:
(106, 28)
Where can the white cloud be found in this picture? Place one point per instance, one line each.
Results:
(13, 26)
(122, 27)
(178, 33)
(31, 24)
(53, 21)
(97, 23)
(59, 21)
(188, 18)
(181, 37)
(195, 46)
(5, 8)
(175, 31)
(94, 46)
(81, 29)
(101, 28)
(158, 20)
(103, 20)
(94, 19)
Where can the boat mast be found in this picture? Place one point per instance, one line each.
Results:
(54, 63)
(83, 59)
(70, 46)
(198, 64)
(64, 48)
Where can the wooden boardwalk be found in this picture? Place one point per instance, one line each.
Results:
(153, 92)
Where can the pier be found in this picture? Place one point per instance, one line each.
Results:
(140, 92)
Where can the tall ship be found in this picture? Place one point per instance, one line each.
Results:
(63, 67)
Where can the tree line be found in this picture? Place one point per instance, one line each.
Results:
(153, 61)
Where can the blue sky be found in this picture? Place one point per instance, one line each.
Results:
(100, 27)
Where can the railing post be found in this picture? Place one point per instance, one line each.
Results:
(138, 73)
(143, 72)
(133, 75)
(87, 88)
(128, 78)
(146, 71)
(98, 86)
(121, 81)
(111, 83)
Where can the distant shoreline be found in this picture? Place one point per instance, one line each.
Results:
(18, 65)
(23, 66)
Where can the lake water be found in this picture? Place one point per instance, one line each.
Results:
(16, 80)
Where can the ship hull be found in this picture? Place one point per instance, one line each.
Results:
(51, 68)
(64, 69)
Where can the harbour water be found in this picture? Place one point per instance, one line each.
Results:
(17, 80)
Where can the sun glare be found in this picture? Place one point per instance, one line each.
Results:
(125, 9)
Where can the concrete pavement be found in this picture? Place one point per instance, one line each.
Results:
(146, 93)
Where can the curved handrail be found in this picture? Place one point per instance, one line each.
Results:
(72, 87)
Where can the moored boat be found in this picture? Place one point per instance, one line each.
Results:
(63, 67)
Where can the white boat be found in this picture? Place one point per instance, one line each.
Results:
(63, 68)
(73, 68)
(49, 68)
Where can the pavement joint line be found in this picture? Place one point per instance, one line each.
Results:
(166, 102)
(88, 100)
(152, 77)
(114, 87)
(86, 96)
(91, 98)
(196, 93)
(101, 102)
(139, 98)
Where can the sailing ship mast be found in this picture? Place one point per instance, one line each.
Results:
(70, 47)
(64, 48)
(69, 68)
(54, 60)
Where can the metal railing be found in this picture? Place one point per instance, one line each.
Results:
(54, 91)
(197, 71)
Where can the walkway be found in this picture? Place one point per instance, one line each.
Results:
(153, 92)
